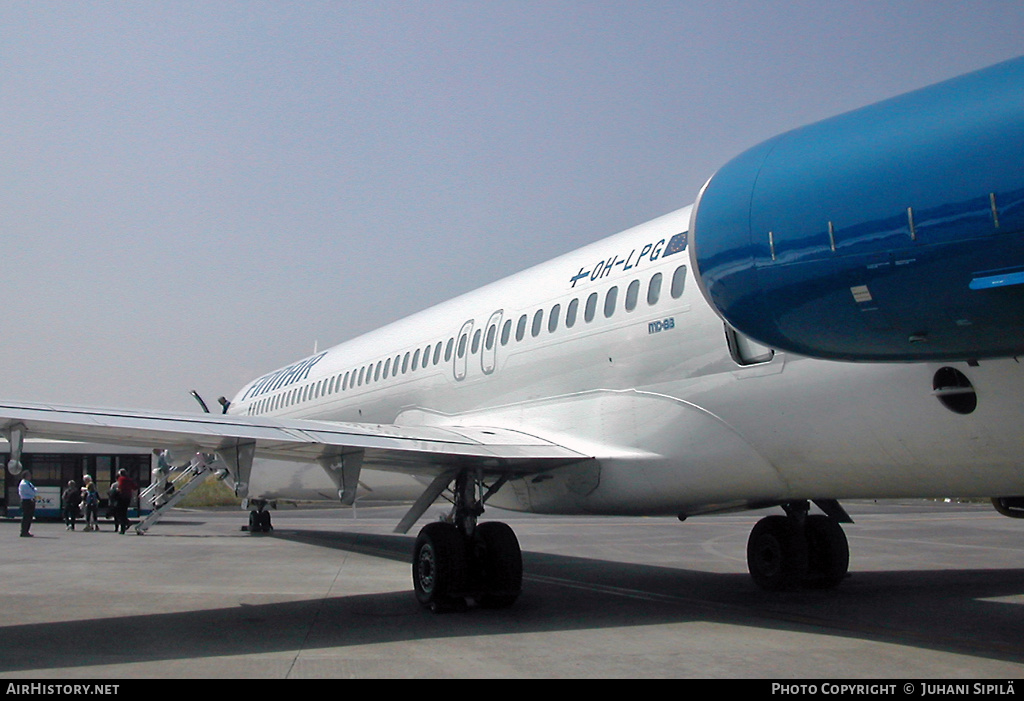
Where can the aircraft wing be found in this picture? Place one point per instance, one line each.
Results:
(424, 450)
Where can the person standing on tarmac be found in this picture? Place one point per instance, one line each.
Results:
(91, 501)
(27, 491)
(71, 500)
(125, 488)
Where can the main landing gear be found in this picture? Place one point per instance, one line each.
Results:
(798, 549)
(459, 559)
(259, 518)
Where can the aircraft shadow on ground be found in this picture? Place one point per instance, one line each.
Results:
(936, 610)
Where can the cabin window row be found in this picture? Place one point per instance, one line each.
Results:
(433, 353)
(607, 306)
(374, 372)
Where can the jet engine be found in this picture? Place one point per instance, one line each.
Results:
(891, 233)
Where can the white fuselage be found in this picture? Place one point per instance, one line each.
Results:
(612, 351)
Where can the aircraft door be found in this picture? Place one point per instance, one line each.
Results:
(461, 355)
(489, 353)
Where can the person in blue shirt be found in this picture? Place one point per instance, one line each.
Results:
(91, 500)
(27, 491)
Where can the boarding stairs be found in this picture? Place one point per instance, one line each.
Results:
(164, 493)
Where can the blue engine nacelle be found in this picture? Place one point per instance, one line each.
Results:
(891, 233)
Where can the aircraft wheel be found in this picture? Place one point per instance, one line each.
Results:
(264, 520)
(259, 522)
(439, 566)
(499, 564)
(777, 554)
(828, 552)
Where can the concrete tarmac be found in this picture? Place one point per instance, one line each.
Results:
(935, 592)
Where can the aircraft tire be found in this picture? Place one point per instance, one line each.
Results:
(264, 522)
(259, 522)
(439, 566)
(499, 564)
(777, 554)
(828, 552)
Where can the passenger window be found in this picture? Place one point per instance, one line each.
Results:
(387, 368)
(426, 356)
(437, 353)
(361, 371)
(556, 312)
(538, 319)
(654, 289)
(448, 349)
(570, 313)
(416, 360)
(506, 332)
(591, 308)
(632, 294)
(609, 302)
(491, 333)
(476, 341)
(376, 372)
(462, 346)
(678, 282)
(521, 328)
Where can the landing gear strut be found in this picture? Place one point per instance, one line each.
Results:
(798, 549)
(458, 559)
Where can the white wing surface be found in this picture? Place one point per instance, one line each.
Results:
(423, 450)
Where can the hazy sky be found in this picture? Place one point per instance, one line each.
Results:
(194, 193)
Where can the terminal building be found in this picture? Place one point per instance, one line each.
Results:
(54, 463)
